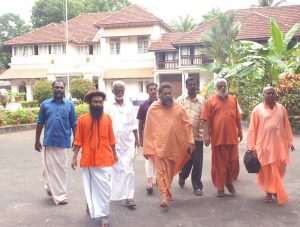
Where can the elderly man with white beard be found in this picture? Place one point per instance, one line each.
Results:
(125, 129)
(222, 128)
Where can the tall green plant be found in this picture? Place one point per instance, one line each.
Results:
(80, 87)
(42, 90)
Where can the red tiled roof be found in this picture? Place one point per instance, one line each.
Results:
(81, 30)
(255, 23)
(51, 33)
(132, 15)
(165, 42)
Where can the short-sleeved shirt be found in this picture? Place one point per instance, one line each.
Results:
(58, 120)
(194, 108)
(222, 115)
(96, 150)
(142, 112)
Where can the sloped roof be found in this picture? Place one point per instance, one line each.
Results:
(51, 33)
(165, 42)
(132, 15)
(81, 30)
(255, 23)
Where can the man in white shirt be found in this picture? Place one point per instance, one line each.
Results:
(125, 129)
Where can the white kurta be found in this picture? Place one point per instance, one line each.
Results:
(124, 122)
(55, 161)
(96, 183)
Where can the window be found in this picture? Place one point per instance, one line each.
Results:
(198, 51)
(140, 84)
(15, 51)
(114, 45)
(49, 49)
(185, 51)
(36, 50)
(91, 49)
(84, 50)
(143, 45)
(96, 49)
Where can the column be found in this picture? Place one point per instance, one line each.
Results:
(101, 84)
(29, 96)
(184, 76)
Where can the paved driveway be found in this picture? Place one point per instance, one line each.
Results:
(24, 202)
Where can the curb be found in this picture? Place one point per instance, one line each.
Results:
(17, 128)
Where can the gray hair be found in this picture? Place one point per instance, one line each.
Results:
(118, 83)
(268, 87)
(219, 80)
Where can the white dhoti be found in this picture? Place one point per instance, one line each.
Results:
(150, 172)
(122, 182)
(55, 161)
(96, 183)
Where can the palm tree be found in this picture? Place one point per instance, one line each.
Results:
(266, 3)
(183, 24)
(213, 13)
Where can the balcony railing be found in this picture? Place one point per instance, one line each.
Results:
(194, 60)
(185, 61)
(167, 64)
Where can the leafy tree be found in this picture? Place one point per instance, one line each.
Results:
(288, 90)
(42, 90)
(183, 24)
(11, 26)
(45, 12)
(213, 13)
(266, 3)
(104, 5)
(80, 87)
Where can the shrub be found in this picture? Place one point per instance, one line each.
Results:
(79, 87)
(29, 104)
(81, 109)
(42, 90)
(288, 92)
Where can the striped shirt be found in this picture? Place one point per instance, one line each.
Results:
(194, 109)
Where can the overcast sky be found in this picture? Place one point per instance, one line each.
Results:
(164, 9)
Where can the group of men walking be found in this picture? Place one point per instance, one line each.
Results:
(171, 133)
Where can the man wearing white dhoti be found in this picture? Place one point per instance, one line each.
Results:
(96, 138)
(58, 116)
(125, 128)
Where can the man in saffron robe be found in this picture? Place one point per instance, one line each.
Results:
(168, 136)
(270, 137)
(222, 128)
(96, 138)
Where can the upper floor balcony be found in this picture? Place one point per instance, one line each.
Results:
(185, 61)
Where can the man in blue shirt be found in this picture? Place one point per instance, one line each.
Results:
(57, 114)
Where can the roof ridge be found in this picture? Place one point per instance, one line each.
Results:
(277, 21)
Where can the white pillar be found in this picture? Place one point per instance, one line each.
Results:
(184, 76)
(29, 95)
(101, 84)
(156, 78)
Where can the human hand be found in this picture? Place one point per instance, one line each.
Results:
(240, 135)
(74, 162)
(207, 141)
(292, 148)
(38, 146)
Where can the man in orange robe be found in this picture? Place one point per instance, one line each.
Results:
(96, 138)
(167, 138)
(222, 128)
(270, 137)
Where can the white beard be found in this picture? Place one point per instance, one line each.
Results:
(219, 93)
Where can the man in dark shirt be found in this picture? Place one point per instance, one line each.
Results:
(141, 116)
(58, 116)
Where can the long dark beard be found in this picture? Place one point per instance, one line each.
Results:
(167, 102)
(96, 112)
